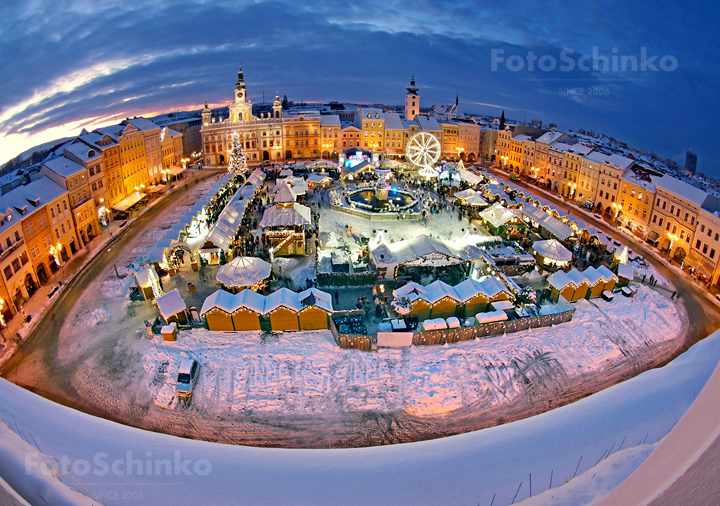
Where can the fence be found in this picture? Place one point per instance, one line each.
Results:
(350, 341)
(429, 337)
(372, 216)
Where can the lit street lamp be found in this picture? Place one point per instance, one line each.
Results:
(672, 238)
(617, 208)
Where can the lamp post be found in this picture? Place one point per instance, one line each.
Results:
(617, 209)
(55, 251)
(672, 238)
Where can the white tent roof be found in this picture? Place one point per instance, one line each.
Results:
(296, 215)
(243, 271)
(471, 197)
(498, 215)
(553, 250)
(412, 249)
(170, 304)
(283, 194)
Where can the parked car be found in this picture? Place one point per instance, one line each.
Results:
(599, 217)
(187, 378)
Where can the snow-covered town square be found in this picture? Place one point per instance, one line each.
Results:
(261, 295)
(381, 326)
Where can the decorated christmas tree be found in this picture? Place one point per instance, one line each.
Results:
(237, 162)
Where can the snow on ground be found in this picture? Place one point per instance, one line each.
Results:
(305, 372)
(473, 468)
(595, 483)
(444, 225)
(646, 269)
(98, 316)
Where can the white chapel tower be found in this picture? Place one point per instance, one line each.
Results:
(412, 101)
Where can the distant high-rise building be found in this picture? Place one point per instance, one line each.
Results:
(691, 162)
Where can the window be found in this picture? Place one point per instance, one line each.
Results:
(65, 205)
(697, 244)
(674, 229)
(644, 214)
(8, 273)
(705, 248)
(664, 204)
(717, 236)
(654, 218)
(702, 228)
(712, 253)
(17, 235)
(667, 226)
(672, 209)
(16, 264)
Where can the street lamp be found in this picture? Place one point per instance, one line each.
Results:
(672, 238)
(617, 208)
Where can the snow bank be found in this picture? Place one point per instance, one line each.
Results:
(473, 467)
(98, 316)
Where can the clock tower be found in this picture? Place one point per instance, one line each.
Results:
(241, 110)
(240, 93)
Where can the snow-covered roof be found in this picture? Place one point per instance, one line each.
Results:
(606, 273)
(593, 275)
(170, 304)
(626, 271)
(427, 123)
(256, 178)
(315, 297)
(296, 215)
(243, 271)
(491, 286)
(412, 249)
(471, 197)
(632, 178)
(502, 305)
(142, 124)
(553, 250)
(228, 222)
(283, 194)
(282, 297)
(83, 151)
(468, 289)
(549, 137)
(549, 223)
(393, 121)
(26, 199)
(498, 215)
(434, 324)
(439, 289)
(470, 177)
(560, 280)
(682, 189)
(578, 277)
(317, 178)
(63, 166)
(220, 299)
(328, 120)
(260, 304)
(491, 316)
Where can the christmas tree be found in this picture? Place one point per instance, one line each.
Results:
(237, 162)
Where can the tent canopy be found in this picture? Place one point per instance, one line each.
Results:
(243, 271)
(553, 250)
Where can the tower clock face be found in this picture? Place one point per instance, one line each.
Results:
(239, 94)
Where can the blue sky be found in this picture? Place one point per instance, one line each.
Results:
(86, 63)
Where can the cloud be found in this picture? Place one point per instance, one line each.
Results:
(73, 62)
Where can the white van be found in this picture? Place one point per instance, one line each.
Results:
(186, 378)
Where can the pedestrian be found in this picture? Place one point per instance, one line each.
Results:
(673, 295)
(644, 277)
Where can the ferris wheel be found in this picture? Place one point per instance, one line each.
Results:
(423, 150)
